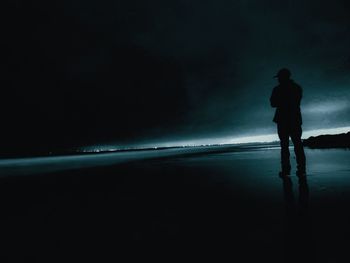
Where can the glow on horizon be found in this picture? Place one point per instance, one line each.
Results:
(274, 137)
(267, 138)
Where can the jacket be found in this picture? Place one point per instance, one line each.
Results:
(286, 98)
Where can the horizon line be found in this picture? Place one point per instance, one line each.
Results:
(266, 138)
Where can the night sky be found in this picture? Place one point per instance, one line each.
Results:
(77, 72)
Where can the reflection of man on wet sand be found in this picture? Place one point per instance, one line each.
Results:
(301, 207)
(286, 99)
(297, 225)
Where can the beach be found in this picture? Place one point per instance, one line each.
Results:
(226, 204)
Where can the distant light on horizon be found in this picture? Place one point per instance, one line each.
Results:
(254, 139)
(267, 138)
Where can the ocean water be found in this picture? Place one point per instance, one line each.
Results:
(327, 167)
(49, 164)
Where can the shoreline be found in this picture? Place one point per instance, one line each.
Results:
(325, 141)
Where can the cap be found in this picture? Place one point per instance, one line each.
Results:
(284, 73)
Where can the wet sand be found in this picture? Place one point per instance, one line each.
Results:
(223, 206)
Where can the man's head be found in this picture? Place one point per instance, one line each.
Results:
(283, 75)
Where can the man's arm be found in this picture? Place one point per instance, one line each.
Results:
(300, 95)
(274, 100)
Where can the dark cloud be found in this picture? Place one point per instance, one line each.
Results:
(80, 72)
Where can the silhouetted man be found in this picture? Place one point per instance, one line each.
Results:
(286, 99)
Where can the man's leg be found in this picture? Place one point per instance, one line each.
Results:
(283, 134)
(299, 149)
